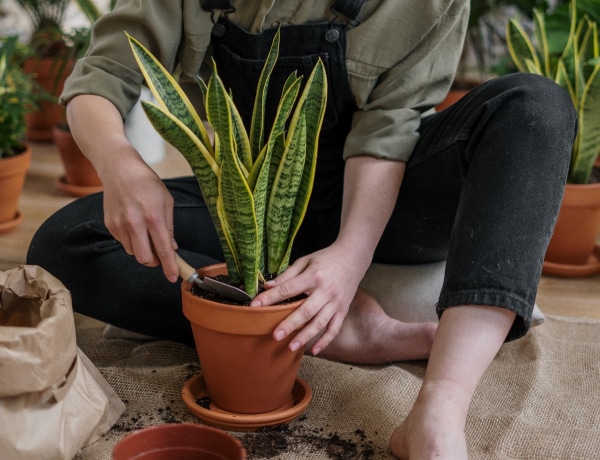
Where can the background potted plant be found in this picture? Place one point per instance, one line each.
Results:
(54, 52)
(16, 99)
(484, 53)
(566, 49)
(80, 177)
(256, 186)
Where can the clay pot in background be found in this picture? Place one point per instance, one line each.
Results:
(13, 171)
(573, 251)
(80, 177)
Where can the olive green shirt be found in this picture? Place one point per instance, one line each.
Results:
(401, 58)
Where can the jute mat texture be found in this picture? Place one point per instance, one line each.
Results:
(540, 398)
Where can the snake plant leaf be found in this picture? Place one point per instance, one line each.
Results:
(563, 79)
(286, 104)
(202, 163)
(257, 124)
(314, 107)
(240, 215)
(261, 176)
(244, 178)
(167, 91)
(520, 46)
(241, 140)
(542, 40)
(181, 137)
(283, 195)
(588, 138)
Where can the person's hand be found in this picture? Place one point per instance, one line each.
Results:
(330, 280)
(138, 211)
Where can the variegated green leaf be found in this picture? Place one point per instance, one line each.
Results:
(312, 103)
(520, 46)
(238, 206)
(203, 165)
(588, 138)
(283, 195)
(167, 91)
(257, 125)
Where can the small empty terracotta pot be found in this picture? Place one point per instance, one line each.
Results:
(179, 441)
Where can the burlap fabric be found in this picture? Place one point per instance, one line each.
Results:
(540, 399)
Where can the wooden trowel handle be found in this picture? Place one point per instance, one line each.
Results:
(186, 271)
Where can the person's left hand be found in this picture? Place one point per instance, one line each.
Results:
(330, 279)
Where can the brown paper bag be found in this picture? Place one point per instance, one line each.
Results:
(53, 401)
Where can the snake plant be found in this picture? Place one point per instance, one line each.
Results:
(256, 183)
(576, 68)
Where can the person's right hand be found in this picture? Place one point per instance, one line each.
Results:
(138, 208)
(138, 211)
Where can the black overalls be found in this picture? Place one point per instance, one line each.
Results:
(240, 57)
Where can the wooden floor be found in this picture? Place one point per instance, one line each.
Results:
(40, 198)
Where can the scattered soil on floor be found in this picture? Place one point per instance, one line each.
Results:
(269, 442)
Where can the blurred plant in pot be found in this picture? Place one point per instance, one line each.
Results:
(572, 61)
(486, 40)
(54, 51)
(16, 100)
(17, 96)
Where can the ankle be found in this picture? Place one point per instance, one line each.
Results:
(446, 398)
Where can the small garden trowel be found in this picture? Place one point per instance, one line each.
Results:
(188, 273)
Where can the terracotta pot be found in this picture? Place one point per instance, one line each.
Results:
(13, 171)
(80, 176)
(51, 77)
(573, 243)
(246, 371)
(453, 96)
(179, 441)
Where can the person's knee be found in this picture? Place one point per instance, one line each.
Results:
(538, 98)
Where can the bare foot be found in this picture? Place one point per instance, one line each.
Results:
(434, 429)
(369, 336)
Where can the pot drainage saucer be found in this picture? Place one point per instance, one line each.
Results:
(571, 271)
(195, 390)
(6, 227)
(76, 190)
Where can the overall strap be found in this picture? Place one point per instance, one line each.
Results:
(209, 5)
(349, 8)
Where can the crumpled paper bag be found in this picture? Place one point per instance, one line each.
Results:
(53, 400)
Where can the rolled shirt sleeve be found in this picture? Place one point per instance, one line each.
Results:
(397, 83)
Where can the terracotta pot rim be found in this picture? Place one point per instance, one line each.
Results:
(145, 440)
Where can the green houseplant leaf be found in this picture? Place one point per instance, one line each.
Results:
(575, 68)
(257, 185)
